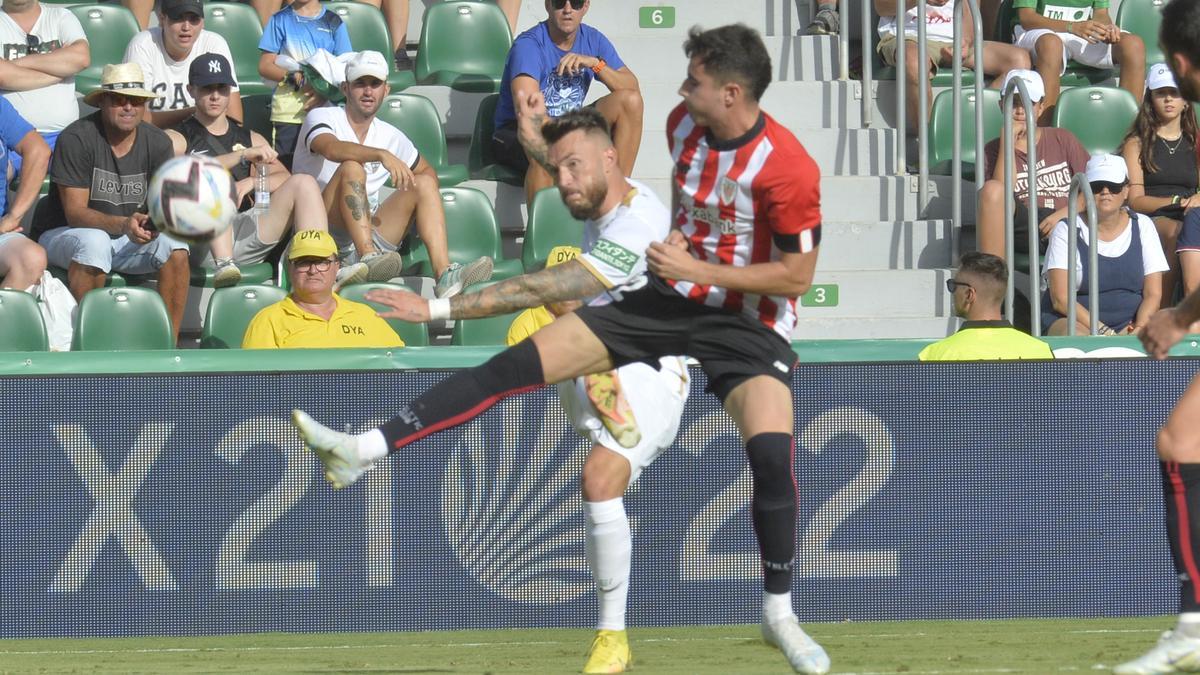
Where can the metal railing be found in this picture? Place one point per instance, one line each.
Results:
(1017, 86)
(1079, 183)
(956, 171)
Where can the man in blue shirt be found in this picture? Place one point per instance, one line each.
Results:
(561, 57)
(21, 260)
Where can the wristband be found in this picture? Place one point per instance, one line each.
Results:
(600, 65)
(1175, 200)
(439, 309)
(1070, 26)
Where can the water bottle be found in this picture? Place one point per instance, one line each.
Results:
(262, 190)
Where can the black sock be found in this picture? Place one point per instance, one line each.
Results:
(774, 507)
(1181, 506)
(465, 394)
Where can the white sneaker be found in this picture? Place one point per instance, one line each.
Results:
(383, 265)
(350, 275)
(805, 655)
(337, 451)
(1174, 653)
(456, 277)
(225, 273)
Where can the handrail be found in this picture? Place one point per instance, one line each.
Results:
(868, 95)
(922, 100)
(956, 172)
(1079, 182)
(1017, 86)
(844, 42)
(901, 95)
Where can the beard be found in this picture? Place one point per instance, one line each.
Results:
(592, 196)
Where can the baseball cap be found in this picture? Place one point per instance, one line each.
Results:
(1108, 168)
(175, 9)
(561, 254)
(367, 63)
(312, 244)
(1033, 83)
(209, 69)
(1160, 76)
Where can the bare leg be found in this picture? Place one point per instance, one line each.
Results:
(536, 180)
(1179, 438)
(1130, 53)
(21, 263)
(989, 218)
(424, 201)
(346, 205)
(623, 110)
(1049, 64)
(1168, 233)
(141, 11)
(296, 202)
(265, 9)
(84, 278)
(173, 287)
(1189, 266)
(511, 9)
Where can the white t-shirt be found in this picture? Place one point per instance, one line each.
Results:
(333, 120)
(165, 76)
(51, 108)
(939, 23)
(614, 245)
(1153, 259)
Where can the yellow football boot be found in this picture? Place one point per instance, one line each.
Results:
(609, 653)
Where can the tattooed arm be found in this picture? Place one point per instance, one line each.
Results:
(531, 116)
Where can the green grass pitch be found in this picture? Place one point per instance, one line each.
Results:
(1039, 646)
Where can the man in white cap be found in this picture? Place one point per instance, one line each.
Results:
(1060, 156)
(94, 219)
(352, 154)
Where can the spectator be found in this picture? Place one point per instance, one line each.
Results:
(978, 289)
(1160, 152)
(1060, 156)
(295, 200)
(1130, 258)
(395, 14)
(1080, 31)
(44, 48)
(166, 53)
(826, 20)
(352, 154)
(313, 315)
(298, 30)
(998, 58)
(265, 8)
(561, 56)
(94, 221)
(21, 260)
(530, 320)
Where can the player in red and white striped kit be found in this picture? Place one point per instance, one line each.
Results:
(722, 289)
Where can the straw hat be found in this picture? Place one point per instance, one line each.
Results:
(120, 78)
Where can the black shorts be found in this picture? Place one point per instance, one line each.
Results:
(507, 150)
(655, 321)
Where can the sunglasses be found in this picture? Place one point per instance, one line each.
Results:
(1099, 186)
(32, 42)
(952, 285)
(575, 4)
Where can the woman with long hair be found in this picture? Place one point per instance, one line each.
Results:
(1160, 152)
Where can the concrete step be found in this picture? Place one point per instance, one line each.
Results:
(657, 60)
(871, 328)
(884, 293)
(905, 245)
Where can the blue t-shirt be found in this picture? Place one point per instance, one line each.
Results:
(301, 36)
(13, 128)
(534, 54)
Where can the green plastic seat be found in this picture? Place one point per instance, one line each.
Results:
(258, 273)
(1143, 18)
(492, 330)
(480, 160)
(413, 334)
(238, 23)
(122, 319)
(109, 29)
(464, 45)
(941, 130)
(550, 225)
(111, 280)
(418, 118)
(1077, 75)
(230, 311)
(471, 232)
(21, 326)
(368, 31)
(1100, 117)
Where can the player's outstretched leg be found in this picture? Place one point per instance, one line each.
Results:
(337, 451)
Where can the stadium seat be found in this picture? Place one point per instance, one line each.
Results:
(550, 225)
(464, 46)
(230, 311)
(941, 130)
(109, 29)
(471, 231)
(368, 31)
(413, 334)
(1099, 117)
(480, 161)
(238, 24)
(492, 330)
(122, 319)
(418, 118)
(201, 277)
(21, 326)
(1077, 75)
(257, 108)
(1143, 18)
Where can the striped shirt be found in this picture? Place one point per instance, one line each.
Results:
(738, 201)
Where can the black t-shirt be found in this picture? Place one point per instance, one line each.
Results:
(83, 158)
(201, 141)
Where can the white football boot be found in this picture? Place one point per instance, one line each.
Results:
(1174, 653)
(805, 655)
(337, 451)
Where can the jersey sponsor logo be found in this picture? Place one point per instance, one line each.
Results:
(711, 216)
(729, 190)
(117, 189)
(1067, 13)
(352, 330)
(615, 255)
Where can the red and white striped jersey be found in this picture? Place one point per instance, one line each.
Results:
(734, 198)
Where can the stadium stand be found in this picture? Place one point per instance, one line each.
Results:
(1098, 116)
(1143, 17)
(417, 117)
(550, 225)
(368, 31)
(230, 311)
(21, 326)
(122, 319)
(941, 130)
(109, 29)
(480, 161)
(471, 232)
(238, 24)
(463, 46)
(413, 334)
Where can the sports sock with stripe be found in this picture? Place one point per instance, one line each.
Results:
(465, 394)
(773, 507)
(609, 549)
(1181, 506)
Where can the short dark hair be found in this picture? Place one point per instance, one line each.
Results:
(734, 52)
(587, 119)
(989, 268)
(1181, 29)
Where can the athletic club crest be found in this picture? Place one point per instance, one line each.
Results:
(729, 190)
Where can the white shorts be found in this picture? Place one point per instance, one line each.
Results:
(1075, 48)
(656, 397)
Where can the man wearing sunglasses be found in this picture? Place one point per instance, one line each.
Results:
(978, 289)
(561, 57)
(313, 316)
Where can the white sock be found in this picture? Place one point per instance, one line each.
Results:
(777, 606)
(1189, 624)
(372, 446)
(609, 548)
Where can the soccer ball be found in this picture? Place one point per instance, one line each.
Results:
(192, 198)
